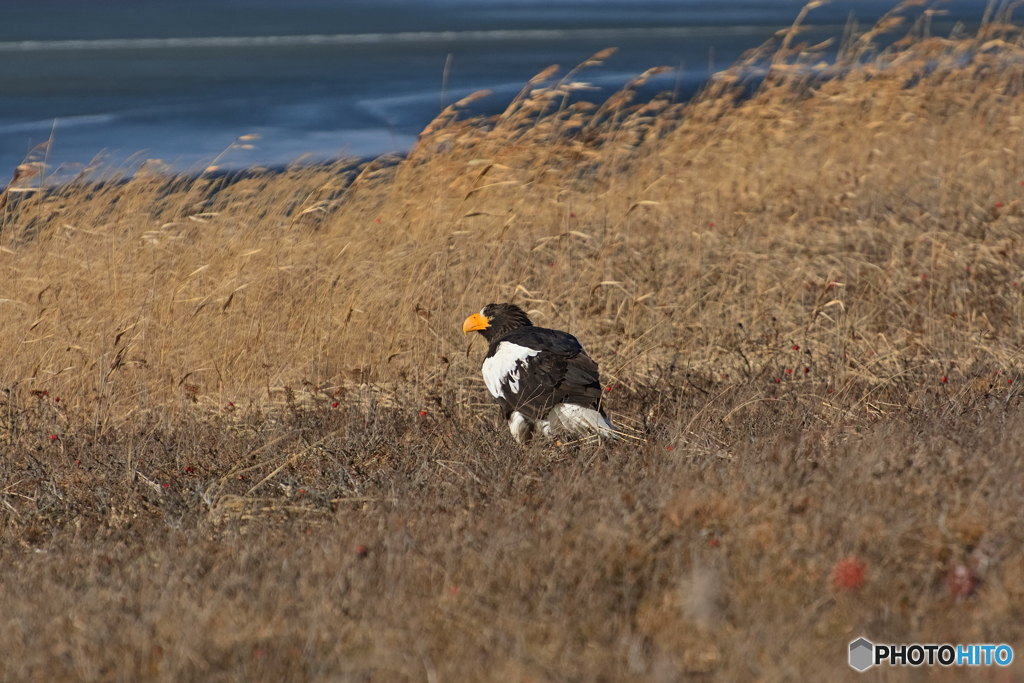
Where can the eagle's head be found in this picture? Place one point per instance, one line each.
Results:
(496, 320)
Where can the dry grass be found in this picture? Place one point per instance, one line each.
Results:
(244, 439)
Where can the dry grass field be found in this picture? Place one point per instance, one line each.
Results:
(243, 437)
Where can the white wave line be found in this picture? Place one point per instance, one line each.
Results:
(383, 38)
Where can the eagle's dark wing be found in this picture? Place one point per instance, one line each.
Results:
(559, 371)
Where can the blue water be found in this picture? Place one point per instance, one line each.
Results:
(128, 80)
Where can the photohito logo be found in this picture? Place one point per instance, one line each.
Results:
(865, 654)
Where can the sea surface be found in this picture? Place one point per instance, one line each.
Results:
(117, 82)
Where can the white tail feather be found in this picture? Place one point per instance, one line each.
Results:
(577, 419)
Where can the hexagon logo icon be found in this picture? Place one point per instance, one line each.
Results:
(861, 654)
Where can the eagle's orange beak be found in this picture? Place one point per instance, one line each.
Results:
(477, 321)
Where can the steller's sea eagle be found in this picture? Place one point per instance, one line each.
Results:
(541, 378)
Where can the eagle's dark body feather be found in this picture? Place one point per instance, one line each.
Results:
(561, 372)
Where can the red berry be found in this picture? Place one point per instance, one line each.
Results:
(423, 413)
(961, 581)
(789, 371)
(378, 220)
(999, 205)
(78, 462)
(56, 399)
(806, 370)
(713, 543)
(53, 437)
(572, 215)
(607, 388)
(943, 379)
(670, 448)
(924, 276)
(361, 550)
(335, 405)
(455, 590)
(848, 574)
(166, 484)
(796, 347)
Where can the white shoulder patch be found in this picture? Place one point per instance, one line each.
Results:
(503, 366)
